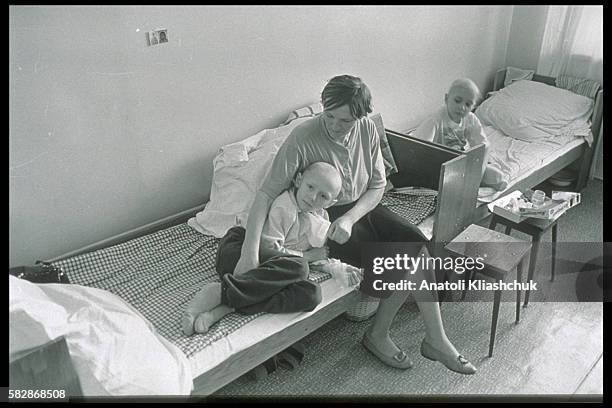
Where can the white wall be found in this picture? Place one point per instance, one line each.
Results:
(107, 134)
(526, 34)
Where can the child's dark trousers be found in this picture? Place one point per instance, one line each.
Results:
(278, 285)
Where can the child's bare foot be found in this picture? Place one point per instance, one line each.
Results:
(208, 298)
(206, 319)
(496, 186)
(187, 323)
(500, 186)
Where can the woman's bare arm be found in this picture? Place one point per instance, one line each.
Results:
(340, 230)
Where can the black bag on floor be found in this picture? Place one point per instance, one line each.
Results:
(42, 272)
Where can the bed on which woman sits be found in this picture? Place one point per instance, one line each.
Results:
(538, 126)
(147, 276)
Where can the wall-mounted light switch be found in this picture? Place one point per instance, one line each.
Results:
(156, 37)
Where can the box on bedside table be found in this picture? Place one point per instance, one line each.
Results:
(517, 206)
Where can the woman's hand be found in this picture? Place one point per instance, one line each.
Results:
(316, 254)
(340, 230)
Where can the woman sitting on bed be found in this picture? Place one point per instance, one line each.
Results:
(345, 137)
(455, 126)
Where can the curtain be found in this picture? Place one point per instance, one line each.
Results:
(572, 45)
(597, 164)
(573, 42)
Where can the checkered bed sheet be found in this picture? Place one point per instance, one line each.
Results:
(160, 273)
(413, 205)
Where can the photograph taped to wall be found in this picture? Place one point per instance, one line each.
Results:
(156, 37)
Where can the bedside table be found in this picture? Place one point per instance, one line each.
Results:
(535, 227)
(502, 254)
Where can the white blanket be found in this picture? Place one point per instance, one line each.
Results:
(114, 349)
(239, 171)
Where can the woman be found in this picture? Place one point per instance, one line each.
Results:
(345, 137)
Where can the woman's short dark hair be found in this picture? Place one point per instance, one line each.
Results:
(347, 90)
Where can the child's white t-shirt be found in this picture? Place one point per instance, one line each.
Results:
(441, 129)
(292, 231)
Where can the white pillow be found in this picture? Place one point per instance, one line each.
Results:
(306, 111)
(516, 74)
(239, 171)
(529, 110)
(114, 349)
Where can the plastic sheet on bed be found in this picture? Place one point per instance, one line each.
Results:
(158, 274)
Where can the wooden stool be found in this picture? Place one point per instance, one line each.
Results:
(501, 254)
(535, 227)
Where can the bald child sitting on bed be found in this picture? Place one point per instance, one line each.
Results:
(293, 235)
(455, 126)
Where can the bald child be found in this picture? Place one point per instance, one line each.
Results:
(293, 235)
(455, 126)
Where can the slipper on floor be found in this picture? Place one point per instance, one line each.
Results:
(292, 356)
(299, 348)
(264, 369)
(287, 360)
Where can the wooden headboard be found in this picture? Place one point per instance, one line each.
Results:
(596, 121)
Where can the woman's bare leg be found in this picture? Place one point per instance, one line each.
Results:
(379, 330)
(429, 308)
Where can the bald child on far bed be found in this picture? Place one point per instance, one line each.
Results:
(455, 126)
